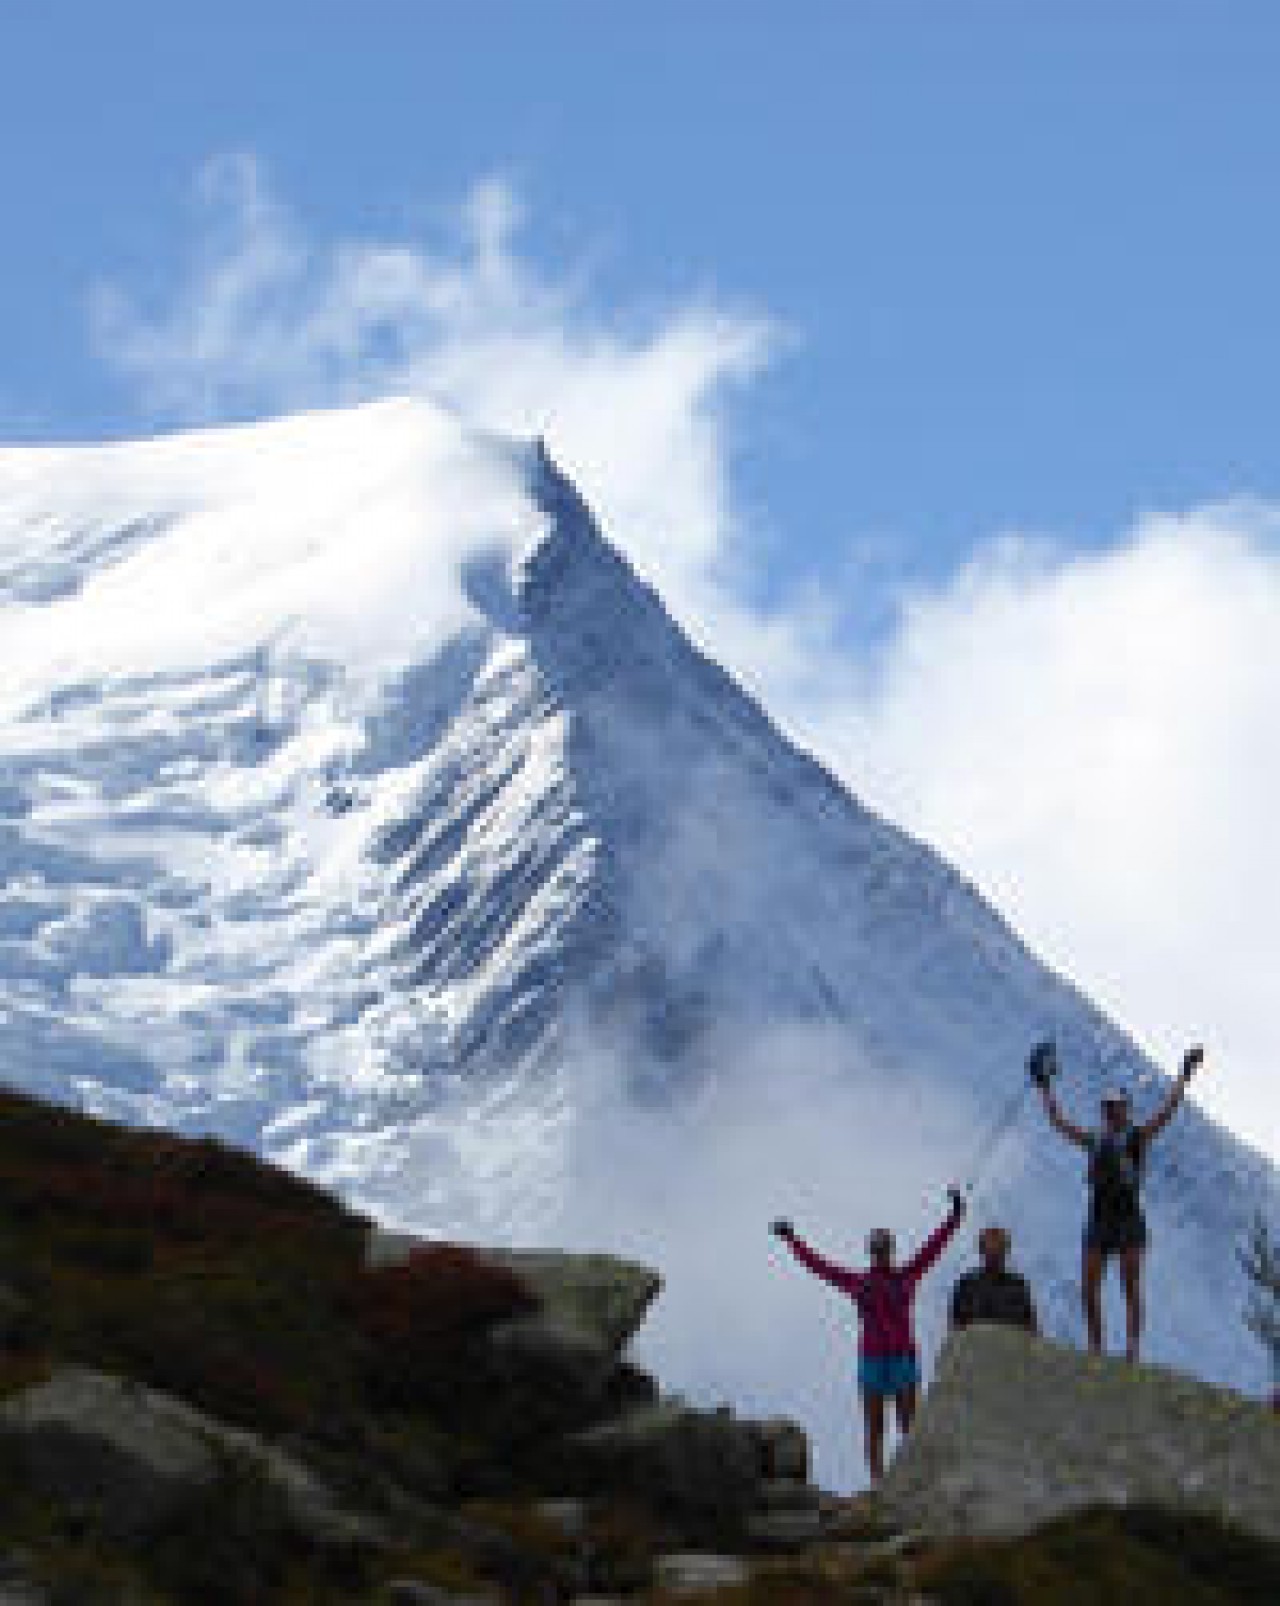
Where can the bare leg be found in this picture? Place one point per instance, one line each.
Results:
(1131, 1273)
(1094, 1266)
(905, 1404)
(873, 1418)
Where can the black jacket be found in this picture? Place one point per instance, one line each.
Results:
(987, 1296)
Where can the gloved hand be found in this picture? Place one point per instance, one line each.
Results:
(1042, 1066)
(1192, 1060)
(958, 1206)
(783, 1229)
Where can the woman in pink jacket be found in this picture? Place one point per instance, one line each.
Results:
(885, 1293)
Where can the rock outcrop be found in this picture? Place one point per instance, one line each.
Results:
(701, 1466)
(1017, 1432)
(129, 1458)
(601, 1300)
(603, 1426)
(219, 1384)
(600, 1297)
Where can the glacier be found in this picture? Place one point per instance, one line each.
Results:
(359, 802)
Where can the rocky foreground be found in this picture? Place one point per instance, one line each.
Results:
(1019, 1433)
(218, 1385)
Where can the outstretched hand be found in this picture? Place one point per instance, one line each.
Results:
(783, 1229)
(1042, 1066)
(1192, 1060)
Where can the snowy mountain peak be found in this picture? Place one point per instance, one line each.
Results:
(339, 535)
(360, 802)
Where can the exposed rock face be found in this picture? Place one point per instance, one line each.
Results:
(133, 1456)
(601, 1297)
(697, 1573)
(409, 1420)
(560, 1375)
(130, 1456)
(1017, 1432)
(596, 1299)
(704, 1466)
(561, 1366)
(600, 1423)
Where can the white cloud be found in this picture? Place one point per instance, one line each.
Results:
(692, 1189)
(1088, 734)
(270, 320)
(1092, 736)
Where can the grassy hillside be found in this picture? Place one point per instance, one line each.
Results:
(200, 1271)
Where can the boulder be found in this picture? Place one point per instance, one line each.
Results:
(701, 1467)
(598, 1296)
(99, 1442)
(600, 1299)
(785, 1528)
(17, 1588)
(630, 1386)
(1016, 1432)
(788, 1494)
(134, 1457)
(789, 1515)
(569, 1518)
(413, 1592)
(559, 1376)
(784, 1449)
(698, 1572)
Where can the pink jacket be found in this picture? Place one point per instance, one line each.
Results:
(885, 1299)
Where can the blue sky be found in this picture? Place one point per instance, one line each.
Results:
(881, 333)
(1027, 253)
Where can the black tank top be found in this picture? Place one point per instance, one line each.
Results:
(1115, 1171)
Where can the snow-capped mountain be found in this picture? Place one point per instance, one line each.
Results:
(358, 801)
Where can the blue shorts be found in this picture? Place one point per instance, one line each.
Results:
(887, 1375)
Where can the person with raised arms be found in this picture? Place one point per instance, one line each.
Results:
(1116, 1225)
(884, 1294)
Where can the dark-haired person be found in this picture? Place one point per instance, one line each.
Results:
(888, 1361)
(993, 1293)
(1116, 1225)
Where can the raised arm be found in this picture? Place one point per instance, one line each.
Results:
(1042, 1067)
(841, 1277)
(1192, 1060)
(1073, 1133)
(930, 1252)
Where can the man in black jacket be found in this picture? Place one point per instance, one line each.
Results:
(993, 1293)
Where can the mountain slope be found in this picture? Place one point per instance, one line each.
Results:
(361, 803)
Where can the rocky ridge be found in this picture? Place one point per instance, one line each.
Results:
(217, 1384)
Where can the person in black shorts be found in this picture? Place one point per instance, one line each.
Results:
(993, 1293)
(1116, 1224)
